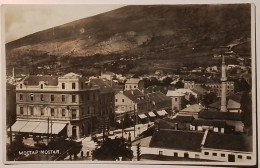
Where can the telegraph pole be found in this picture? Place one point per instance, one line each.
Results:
(48, 131)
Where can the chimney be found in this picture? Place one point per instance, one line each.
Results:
(223, 79)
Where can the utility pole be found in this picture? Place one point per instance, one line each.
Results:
(134, 120)
(48, 131)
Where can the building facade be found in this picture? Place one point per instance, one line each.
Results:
(71, 100)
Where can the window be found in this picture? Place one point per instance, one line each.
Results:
(175, 154)
(42, 112)
(116, 100)
(82, 111)
(214, 154)
(52, 97)
(41, 86)
(176, 99)
(63, 98)
(239, 157)
(63, 112)
(52, 111)
(206, 153)
(73, 85)
(21, 86)
(74, 113)
(87, 96)
(21, 97)
(63, 85)
(41, 97)
(222, 155)
(82, 85)
(31, 96)
(123, 100)
(248, 157)
(32, 110)
(160, 153)
(73, 98)
(21, 110)
(82, 97)
(134, 86)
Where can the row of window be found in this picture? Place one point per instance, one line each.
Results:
(73, 97)
(90, 109)
(42, 112)
(131, 86)
(223, 155)
(82, 96)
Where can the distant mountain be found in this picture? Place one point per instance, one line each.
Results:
(164, 31)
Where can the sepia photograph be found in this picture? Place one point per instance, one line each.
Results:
(143, 84)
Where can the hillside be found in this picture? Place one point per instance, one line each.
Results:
(150, 32)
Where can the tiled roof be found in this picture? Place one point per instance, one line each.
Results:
(195, 108)
(180, 140)
(103, 87)
(229, 142)
(158, 97)
(136, 96)
(202, 122)
(174, 93)
(220, 115)
(200, 89)
(34, 80)
(133, 81)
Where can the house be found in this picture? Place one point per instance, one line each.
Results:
(107, 75)
(232, 119)
(233, 103)
(197, 146)
(192, 110)
(130, 100)
(134, 83)
(178, 99)
(159, 101)
(228, 148)
(70, 104)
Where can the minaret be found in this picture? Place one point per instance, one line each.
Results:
(223, 79)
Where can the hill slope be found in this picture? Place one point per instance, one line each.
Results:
(164, 31)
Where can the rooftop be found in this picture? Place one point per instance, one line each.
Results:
(47, 79)
(229, 142)
(174, 93)
(158, 97)
(195, 108)
(220, 115)
(175, 139)
(203, 122)
(103, 87)
(135, 95)
(133, 81)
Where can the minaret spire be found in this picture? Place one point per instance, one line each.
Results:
(223, 79)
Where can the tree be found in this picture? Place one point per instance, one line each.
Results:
(208, 98)
(246, 114)
(112, 149)
(179, 84)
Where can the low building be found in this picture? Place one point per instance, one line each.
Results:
(232, 119)
(134, 83)
(159, 101)
(178, 99)
(198, 146)
(192, 110)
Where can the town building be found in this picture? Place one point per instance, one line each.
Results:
(159, 101)
(178, 99)
(191, 110)
(68, 105)
(130, 101)
(197, 146)
(134, 83)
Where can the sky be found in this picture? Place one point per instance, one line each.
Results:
(22, 20)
